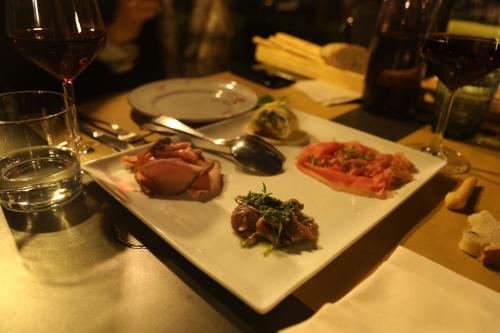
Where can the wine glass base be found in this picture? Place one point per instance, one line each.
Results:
(455, 162)
(86, 149)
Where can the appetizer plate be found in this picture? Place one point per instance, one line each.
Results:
(193, 100)
(202, 231)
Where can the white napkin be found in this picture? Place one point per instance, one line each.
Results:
(326, 93)
(409, 293)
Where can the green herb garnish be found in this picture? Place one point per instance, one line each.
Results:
(350, 152)
(272, 210)
(265, 99)
(369, 156)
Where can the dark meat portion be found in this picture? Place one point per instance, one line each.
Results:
(295, 231)
(264, 230)
(243, 220)
(247, 223)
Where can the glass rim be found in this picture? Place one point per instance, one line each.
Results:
(66, 108)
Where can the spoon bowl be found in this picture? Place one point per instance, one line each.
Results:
(249, 150)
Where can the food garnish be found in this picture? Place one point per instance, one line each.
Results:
(260, 216)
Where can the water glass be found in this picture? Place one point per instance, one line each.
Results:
(470, 106)
(39, 163)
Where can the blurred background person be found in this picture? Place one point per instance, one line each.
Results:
(153, 39)
(132, 55)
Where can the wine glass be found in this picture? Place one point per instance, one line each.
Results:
(464, 49)
(61, 36)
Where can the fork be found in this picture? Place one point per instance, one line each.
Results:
(121, 133)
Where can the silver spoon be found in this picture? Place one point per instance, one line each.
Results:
(249, 150)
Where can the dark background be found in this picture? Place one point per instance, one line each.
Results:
(320, 21)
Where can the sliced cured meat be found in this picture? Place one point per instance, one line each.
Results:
(208, 184)
(167, 176)
(355, 168)
(169, 169)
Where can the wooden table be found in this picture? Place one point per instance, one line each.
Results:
(431, 230)
(422, 224)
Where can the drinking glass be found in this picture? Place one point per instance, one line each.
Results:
(61, 36)
(459, 52)
(39, 164)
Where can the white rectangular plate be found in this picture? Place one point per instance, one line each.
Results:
(202, 231)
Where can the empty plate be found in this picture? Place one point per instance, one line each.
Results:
(193, 100)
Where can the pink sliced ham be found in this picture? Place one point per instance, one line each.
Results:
(170, 169)
(355, 168)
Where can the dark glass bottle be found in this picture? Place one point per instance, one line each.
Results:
(396, 68)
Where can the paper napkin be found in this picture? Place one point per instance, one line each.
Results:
(326, 93)
(409, 293)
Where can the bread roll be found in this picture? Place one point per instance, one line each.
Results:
(471, 243)
(482, 240)
(349, 57)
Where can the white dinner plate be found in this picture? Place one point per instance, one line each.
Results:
(193, 100)
(202, 231)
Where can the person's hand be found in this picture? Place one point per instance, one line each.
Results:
(129, 19)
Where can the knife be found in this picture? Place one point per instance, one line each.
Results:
(104, 138)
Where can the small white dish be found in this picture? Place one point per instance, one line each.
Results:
(202, 231)
(193, 100)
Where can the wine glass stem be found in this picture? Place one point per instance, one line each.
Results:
(444, 115)
(69, 91)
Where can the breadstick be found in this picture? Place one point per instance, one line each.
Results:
(299, 43)
(458, 199)
(284, 60)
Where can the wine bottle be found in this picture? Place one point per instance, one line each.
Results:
(396, 67)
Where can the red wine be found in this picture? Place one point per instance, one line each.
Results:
(460, 60)
(392, 85)
(65, 57)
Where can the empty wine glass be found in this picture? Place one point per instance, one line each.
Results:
(61, 36)
(464, 49)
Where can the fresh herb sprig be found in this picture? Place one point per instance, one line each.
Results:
(275, 212)
(264, 99)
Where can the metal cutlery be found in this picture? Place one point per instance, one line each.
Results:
(121, 133)
(107, 139)
(157, 129)
(249, 150)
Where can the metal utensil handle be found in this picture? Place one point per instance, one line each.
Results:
(180, 127)
(104, 138)
(115, 127)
